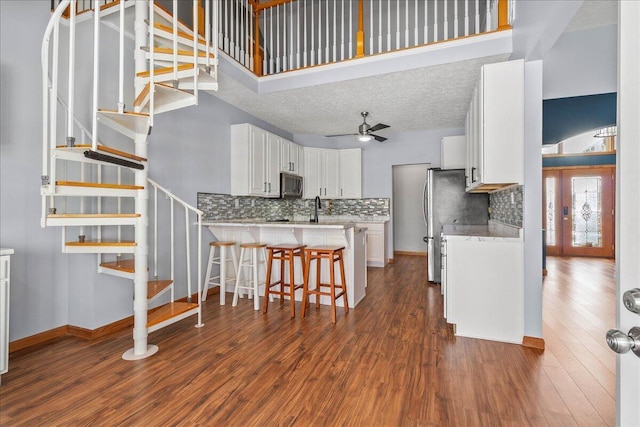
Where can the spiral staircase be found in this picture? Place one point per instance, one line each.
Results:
(95, 182)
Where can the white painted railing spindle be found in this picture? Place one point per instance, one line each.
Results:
(370, 4)
(466, 17)
(488, 16)
(397, 25)
(477, 20)
(426, 23)
(278, 68)
(312, 52)
(379, 26)
(335, 24)
(326, 49)
(388, 25)
(435, 21)
(406, 24)
(455, 20)
(415, 27)
(445, 27)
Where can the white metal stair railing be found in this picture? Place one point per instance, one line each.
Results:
(137, 126)
(189, 213)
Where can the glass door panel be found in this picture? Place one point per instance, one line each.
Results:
(587, 212)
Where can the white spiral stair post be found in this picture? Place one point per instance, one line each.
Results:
(140, 348)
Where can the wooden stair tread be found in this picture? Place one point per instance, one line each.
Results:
(169, 311)
(154, 287)
(181, 52)
(99, 185)
(165, 70)
(126, 265)
(126, 113)
(162, 89)
(101, 243)
(106, 150)
(181, 33)
(93, 215)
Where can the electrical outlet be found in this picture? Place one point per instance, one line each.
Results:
(513, 199)
(237, 203)
(253, 203)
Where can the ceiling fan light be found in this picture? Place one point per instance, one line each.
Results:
(364, 138)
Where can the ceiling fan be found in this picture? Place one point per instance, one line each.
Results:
(365, 130)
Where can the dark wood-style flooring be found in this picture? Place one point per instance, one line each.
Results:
(392, 361)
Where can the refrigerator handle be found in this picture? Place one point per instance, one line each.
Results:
(424, 203)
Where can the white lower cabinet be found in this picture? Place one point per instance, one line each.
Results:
(483, 287)
(376, 235)
(5, 273)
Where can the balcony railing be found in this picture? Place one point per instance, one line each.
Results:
(284, 35)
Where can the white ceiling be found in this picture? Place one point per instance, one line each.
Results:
(432, 97)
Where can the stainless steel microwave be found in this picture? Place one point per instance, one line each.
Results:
(290, 186)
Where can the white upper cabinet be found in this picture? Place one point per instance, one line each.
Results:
(291, 157)
(255, 162)
(351, 173)
(321, 173)
(453, 152)
(495, 128)
(333, 174)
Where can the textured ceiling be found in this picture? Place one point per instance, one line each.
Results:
(593, 14)
(433, 97)
(425, 98)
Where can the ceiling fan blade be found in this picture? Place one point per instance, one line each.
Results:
(379, 138)
(342, 134)
(377, 127)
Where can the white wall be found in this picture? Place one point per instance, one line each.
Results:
(408, 200)
(582, 63)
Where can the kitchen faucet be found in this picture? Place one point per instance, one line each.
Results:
(316, 205)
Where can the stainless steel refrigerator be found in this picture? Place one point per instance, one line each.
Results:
(447, 202)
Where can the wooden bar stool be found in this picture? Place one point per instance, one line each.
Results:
(332, 254)
(284, 253)
(250, 251)
(222, 260)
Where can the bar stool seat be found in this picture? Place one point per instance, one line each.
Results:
(252, 252)
(284, 252)
(222, 260)
(333, 254)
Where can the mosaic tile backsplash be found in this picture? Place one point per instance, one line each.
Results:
(503, 210)
(224, 206)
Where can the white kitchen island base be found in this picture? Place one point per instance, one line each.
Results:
(310, 234)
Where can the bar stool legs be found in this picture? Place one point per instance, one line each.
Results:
(283, 253)
(332, 254)
(222, 260)
(252, 263)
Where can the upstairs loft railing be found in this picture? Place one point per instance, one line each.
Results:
(270, 37)
(284, 35)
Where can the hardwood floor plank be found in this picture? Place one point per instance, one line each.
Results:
(393, 360)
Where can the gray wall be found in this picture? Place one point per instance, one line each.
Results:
(582, 63)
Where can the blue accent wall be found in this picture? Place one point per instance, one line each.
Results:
(563, 118)
(579, 160)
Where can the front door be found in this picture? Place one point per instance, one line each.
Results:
(578, 211)
(628, 206)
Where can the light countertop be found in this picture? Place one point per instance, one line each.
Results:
(493, 230)
(340, 225)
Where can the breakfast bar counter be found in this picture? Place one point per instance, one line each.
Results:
(343, 233)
